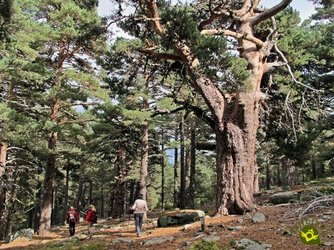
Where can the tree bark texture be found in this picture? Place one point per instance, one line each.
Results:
(144, 160)
(162, 172)
(4, 196)
(176, 155)
(8, 198)
(102, 215)
(183, 177)
(192, 179)
(66, 206)
(49, 177)
(78, 202)
(48, 186)
(3, 157)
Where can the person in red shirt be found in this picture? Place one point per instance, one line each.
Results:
(90, 218)
(72, 218)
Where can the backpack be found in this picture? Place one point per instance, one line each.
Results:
(71, 217)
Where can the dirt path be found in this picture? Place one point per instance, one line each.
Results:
(280, 234)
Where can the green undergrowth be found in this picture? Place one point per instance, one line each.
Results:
(75, 245)
(207, 245)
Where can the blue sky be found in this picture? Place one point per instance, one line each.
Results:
(304, 7)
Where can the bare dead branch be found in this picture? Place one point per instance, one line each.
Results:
(270, 66)
(290, 71)
(145, 18)
(236, 35)
(290, 113)
(323, 201)
(270, 12)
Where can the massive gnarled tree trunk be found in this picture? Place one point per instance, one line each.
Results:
(235, 121)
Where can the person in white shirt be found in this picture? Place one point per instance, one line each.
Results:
(139, 209)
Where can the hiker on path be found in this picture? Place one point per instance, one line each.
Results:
(90, 218)
(72, 218)
(139, 208)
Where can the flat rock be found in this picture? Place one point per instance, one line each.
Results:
(155, 241)
(212, 238)
(179, 217)
(248, 244)
(122, 240)
(283, 197)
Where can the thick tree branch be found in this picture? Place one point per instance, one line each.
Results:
(215, 14)
(270, 66)
(248, 6)
(161, 56)
(166, 111)
(154, 16)
(206, 146)
(271, 12)
(236, 35)
(201, 114)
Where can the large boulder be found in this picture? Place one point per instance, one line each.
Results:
(283, 197)
(23, 234)
(179, 217)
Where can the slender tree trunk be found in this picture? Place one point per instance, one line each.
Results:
(321, 169)
(133, 189)
(144, 160)
(162, 171)
(183, 194)
(48, 186)
(79, 199)
(37, 209)
(256, 178)
(187, 164)
(54, 220)
(102, 201)
(3, 191)
(4, 219)
(120, 187)
(9, 200)
(176, 203)
(66, 205)
(111, 203)
(267, 175)
(90, 198)
(192, 181)
(3, 157)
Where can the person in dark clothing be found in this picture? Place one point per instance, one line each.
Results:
(72, 218)
(139, 209)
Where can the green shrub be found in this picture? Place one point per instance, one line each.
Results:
(205, 245)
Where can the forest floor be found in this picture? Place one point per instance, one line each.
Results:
(281, 229)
